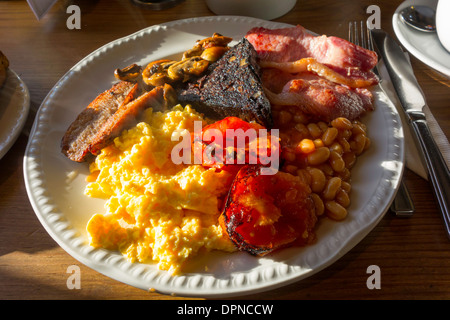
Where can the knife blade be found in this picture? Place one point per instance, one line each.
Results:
(413, 101)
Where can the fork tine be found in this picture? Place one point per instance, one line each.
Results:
(353, 32)
(370, 47)
(364, 43)
(359, 34)
(350, 32)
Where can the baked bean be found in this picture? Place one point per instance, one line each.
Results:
(300, 118)
(342, 123)
(367, 144)
(361, 125)
(342, 198)
(327, 169)
(337, 148)
(318, 143)
(353, 147)
(335, 211)
(358, 143)
(329, 135)
(318, 204)
(344, 134)
(284, 117)
(302, 129)
(336, 161)
(289, 155)
(347, 187)
(322, 125)
(358, 128)
(349, 159)
(320, 155)
(295, 135)
(344, 174)
(345, 145)
(331, 188)
(314, 130)
(305, 176)
(318, 179)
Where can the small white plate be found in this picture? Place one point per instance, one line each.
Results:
(262, 9)
(14, 108)
(424, 46)
(55, 185)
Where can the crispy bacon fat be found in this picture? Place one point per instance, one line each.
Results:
(266, 212)
(352, 77)
(78, 138)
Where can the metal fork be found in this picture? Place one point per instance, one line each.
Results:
(359, 34)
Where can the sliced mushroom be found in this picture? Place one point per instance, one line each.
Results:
(128, 73)
(194, 63)
(193, 52)
(155, 74)
(185, 69)
(213, 54)
(217, 40)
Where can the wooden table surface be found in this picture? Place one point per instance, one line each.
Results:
(413, 254)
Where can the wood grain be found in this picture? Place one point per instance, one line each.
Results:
(412, 253)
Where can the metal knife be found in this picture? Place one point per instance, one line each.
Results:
(413, 102)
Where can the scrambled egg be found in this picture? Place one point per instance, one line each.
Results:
(156, 211)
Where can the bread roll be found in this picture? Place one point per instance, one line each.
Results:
(4, 63)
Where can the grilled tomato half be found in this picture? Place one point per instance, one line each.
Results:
(265, 212)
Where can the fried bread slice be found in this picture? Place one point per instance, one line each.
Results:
(108, 115)
(77, 140)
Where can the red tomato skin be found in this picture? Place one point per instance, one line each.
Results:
(270, 220)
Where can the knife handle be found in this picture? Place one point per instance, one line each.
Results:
(438, 172)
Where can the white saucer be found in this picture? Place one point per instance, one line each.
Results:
(14, 108)
(424, 46)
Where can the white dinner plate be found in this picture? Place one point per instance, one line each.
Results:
(14, 109)
(55, 184)
(424, 46)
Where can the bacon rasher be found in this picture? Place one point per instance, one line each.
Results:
(327, 77)
(351, 77)
(322, 99)
(291, 44)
